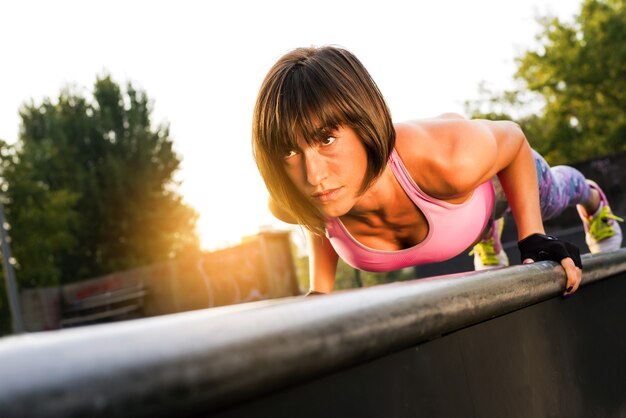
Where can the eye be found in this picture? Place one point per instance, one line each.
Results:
(290, 154)
(327, 141)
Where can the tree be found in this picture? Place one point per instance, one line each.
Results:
(90, 188)
(578, 74)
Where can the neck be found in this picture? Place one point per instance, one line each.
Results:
(380, 199)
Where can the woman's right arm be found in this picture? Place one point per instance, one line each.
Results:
(322, 263)
(322, 256)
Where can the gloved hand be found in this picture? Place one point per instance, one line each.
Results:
(539, 247)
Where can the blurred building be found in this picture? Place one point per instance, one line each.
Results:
(261, 267)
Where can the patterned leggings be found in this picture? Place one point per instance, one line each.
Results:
(559, 187)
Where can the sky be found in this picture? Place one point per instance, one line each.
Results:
(202, 63)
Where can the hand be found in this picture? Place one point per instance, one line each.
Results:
(574, 275)
(313, 293)
(538, 247)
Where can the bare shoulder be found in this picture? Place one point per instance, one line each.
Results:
(441, 141)
(281, 213)
(447, 154)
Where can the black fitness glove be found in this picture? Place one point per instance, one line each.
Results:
(541, 247)
(313, 293)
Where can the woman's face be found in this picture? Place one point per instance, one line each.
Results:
(330, 172)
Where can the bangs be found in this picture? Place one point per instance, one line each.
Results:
(310, 110)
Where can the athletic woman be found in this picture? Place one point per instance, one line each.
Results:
(385, 196)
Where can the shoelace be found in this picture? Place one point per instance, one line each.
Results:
(486, 252)
(600, 227)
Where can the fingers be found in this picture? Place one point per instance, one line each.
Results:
(574, 276)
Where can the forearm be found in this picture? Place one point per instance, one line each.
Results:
(322, 283)
(322, 263)
(519, 181)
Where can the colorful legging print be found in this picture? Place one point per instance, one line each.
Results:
(559, 187)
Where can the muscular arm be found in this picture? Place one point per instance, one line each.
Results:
(515, 167)
(467, 153)
(488, 148)
(322, 263)
(322, 257)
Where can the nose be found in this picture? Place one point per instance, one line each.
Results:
(316, 168)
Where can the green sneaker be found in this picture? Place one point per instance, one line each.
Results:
(602, 232)
(488, 253)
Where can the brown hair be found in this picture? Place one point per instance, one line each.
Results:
(307, 92)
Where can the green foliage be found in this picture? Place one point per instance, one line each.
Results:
(346, 277)
(302, 272)
(578, 73)
(90, 188)
(369, 278)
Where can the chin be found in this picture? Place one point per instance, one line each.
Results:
(334, 210)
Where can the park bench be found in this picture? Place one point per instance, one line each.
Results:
(124, 303)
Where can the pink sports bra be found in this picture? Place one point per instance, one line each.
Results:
(452, 228)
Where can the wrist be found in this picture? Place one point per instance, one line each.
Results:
(536, 235)
(540, 247)
(525, 234)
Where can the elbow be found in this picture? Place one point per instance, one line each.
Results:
(514, 130)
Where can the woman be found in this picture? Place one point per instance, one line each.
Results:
(385, 196)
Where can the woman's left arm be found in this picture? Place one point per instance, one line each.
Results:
(515, 168)
(514, 165)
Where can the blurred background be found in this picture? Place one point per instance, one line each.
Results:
(127, 176)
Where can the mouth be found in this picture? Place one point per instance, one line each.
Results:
(326, 195)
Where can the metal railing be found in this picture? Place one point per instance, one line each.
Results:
(197, 362)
